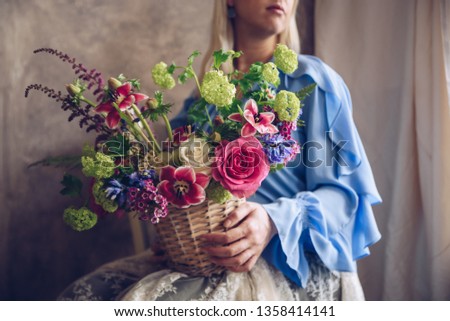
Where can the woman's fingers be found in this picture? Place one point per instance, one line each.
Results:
(246, 267)
(228, 250)
(238, 215)
(240, 247)
(237, 260)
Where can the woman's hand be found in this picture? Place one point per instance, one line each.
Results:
(249, 231)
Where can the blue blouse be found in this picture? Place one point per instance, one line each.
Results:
(322, 202)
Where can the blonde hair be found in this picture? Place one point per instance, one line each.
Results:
(222, 36)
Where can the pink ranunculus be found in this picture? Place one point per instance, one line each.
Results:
(182, 186)
(240, 166)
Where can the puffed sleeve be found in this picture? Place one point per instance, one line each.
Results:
(333, 215)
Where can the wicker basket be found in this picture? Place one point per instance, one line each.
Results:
(179, 232)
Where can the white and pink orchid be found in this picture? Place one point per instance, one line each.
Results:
(124, 98)
(254, 121)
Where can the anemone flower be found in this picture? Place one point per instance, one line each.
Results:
(254, 121)
(124, 98)
(182, 186)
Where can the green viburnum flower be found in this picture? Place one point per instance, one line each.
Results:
(287, 106)
(80, 220)
(88, 150)
(162, 77)
(99, 193)
(100, 166)
(216, 89)
(271, 74)
(217, 193)
(285, 59)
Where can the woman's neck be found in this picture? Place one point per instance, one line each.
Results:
(254, 50)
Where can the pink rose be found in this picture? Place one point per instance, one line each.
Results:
(240, 166)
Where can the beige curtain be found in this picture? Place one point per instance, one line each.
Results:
(392, 56)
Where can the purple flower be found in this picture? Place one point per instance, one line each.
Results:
(278, 149)
(116, 191)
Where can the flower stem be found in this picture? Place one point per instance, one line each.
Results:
(209, 117)
(87, 101)
(168, 127)
(140, 133)
(146, 126)
(196, 80)
(137, 132)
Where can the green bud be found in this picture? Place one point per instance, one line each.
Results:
(215, 136)
(73, 90)
(218, 120)
(152, 104)
(114, 83)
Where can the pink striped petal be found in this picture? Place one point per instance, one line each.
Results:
(235, 117)
(139, 97)
(112, 120)
(166, 190)
(195, 195)
(104, 108)
(248, 130)
(202, 180)
(126, 103)
(266, 118)
(249, 117)
(185, 174)
(252, 106)
(267, 129)
(124, 90)
(167, 173)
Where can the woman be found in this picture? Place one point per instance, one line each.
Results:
(307, 221)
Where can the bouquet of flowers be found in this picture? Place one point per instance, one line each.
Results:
(237, 132)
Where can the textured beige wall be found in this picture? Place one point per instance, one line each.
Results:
(39, 255)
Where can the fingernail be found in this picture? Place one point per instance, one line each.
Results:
(226, 224)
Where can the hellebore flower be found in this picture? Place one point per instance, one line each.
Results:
(182, 186)
(123, 98)
(254, 120)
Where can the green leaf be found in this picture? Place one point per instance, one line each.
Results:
(72, 185)
(159, 96)
(121, 78)
(171, 68)
(135, 83)
(220, 57)
(229, 130)
(306, 91)
(161, 109)
(192, 57)
(185, 75)
(276, 167)
(196, 113)
(116, 146)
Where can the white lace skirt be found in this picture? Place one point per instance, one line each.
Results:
(146, 277)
